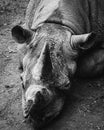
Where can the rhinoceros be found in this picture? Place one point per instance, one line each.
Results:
(58, 40)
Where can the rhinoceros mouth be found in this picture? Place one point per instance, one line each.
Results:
(46, 114)
(29, 110)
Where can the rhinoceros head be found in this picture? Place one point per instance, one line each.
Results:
(48, 63)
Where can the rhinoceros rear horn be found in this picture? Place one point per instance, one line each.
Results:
(21, 35)
(84, 41)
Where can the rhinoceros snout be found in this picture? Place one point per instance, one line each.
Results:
(37, 98)
(42, 104)
(35, 105)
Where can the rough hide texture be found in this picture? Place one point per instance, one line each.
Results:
(60, 32)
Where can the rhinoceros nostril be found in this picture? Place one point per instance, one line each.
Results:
(38, 94)
(39, 97)
(44, 92)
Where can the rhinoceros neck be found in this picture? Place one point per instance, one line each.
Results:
(82, 16)
(73, 14)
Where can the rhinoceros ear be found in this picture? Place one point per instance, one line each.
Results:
(21, 35)
(84, 41)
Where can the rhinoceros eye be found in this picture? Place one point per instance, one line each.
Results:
(23, 86)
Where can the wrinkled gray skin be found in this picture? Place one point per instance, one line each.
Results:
(56, 42)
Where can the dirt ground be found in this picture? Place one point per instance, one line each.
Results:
(84, 108)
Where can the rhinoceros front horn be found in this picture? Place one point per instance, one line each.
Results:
(84, 41)
(21, 35)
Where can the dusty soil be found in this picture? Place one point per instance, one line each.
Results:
(84, 108)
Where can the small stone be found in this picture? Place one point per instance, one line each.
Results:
(11, 50)
(98, 85)
(90, 85)
(5, 24)
(7, 86)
